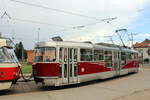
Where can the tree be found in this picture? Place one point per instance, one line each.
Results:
(20, 51)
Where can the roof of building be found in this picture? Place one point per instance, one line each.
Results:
(144, 44)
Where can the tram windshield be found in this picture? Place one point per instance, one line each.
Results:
(45, 54)
(7, 55)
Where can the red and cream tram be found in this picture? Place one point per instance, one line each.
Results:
(59, 63)
(9, 67)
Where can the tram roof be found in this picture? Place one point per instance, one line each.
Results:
(82, 45)
(6, 42)
(64, 44)
(3, 42)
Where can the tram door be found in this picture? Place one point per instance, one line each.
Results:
(69, 65)
(117, 63)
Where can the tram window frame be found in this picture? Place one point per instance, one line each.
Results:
(128, 56)
(98, 55)
(84, 56)
(123, 58)
(60, 54)
(132, 56)
(75, 54)
(43, 49)
(135, 55)
(115, 55)
(108, 61)
(7, 55)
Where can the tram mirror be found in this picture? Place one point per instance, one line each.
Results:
(57, 38)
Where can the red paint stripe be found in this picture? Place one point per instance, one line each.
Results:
(131, 64)
(9, 73)
(91, 67)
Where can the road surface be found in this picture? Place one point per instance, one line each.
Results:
(129, 87)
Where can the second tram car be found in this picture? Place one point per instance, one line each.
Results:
(59, 63)
(9, 67)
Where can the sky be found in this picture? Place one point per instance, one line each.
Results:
(84, 22)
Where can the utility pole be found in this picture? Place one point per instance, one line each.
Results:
(132, 38)
(38, 34)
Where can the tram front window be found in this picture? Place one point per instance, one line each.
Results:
(7, 55)
(45, 54)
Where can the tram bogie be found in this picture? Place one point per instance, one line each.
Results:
(62, 63)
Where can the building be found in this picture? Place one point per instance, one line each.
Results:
(30, 56)
(143, 48)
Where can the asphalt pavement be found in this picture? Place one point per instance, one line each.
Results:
(109, 89)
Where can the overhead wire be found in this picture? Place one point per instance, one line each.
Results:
(62, 11)
(75, 27)
(58, 10)
(37, 22)
(108, 20)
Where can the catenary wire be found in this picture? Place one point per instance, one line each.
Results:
(57, 10)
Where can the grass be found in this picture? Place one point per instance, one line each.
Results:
(26, 68)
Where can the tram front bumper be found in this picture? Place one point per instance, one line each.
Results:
(5, 85)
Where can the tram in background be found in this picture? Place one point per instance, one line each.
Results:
(59, 63)
(9, 66)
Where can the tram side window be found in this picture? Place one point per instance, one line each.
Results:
(98, 55)
(75, 55)
(7, 55)
(116, 59)
(60, 54)
(45, 54)
(65, 54)
(39, 54)
(128, 56)
(86, 55)
(132, 56)
(49, 54)
(108, 58)
(123, 58)
(135, 56)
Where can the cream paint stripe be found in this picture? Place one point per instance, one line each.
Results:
(8, 65)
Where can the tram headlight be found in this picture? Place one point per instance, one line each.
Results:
(2, 74)
(15, 74)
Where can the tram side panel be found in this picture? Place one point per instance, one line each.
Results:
(50, 73)
(8, 74)
(93, 70)
(46, 73)
(130, 67)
